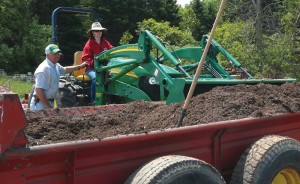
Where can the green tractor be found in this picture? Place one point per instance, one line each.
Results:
(132, 72)
(149, 71)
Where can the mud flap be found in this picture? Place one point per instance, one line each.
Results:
(176, 91)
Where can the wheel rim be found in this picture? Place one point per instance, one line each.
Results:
(287, 176)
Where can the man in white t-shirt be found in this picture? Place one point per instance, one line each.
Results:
(47, 78)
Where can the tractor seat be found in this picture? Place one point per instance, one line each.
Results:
(79, 74)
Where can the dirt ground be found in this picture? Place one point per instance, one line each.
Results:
(4, 89)
(221, 103)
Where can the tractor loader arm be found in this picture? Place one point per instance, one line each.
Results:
(128, 71)
(135, 60)
(217, 48)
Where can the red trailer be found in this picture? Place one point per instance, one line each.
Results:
(254, 150)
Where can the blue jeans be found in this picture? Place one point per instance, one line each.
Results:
(92, 76)
(40, 105)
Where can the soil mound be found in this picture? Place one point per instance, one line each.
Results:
(220, 104)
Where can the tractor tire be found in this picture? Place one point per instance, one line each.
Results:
(176, 169)
(67, 96)
(271, 160)
(151, 87)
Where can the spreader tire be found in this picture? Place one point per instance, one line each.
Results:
(176, 169)
(271, 160)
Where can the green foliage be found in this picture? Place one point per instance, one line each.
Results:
(188, 20)
(279, 57)
(70, 33)
(204, 13)
(233, 38)
(25, 26)
(277, 54)
(120, 16)
(290, 24)
(32, 48)
(126, 38)
(23, 41)
(170, 34)
(172, 37)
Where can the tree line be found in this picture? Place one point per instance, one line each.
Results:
(263, 35)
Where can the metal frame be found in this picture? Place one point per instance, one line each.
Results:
(68, 9)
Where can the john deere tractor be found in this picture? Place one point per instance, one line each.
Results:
(151, 70)
(133, 72)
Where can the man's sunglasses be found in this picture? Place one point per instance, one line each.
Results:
(97, 31)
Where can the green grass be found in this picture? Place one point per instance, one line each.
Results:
(16, 86)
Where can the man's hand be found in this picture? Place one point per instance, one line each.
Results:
(70, 69)
(41, 95)
(84, 64)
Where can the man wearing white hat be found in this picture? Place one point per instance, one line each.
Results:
(47, 78)
(95, 45)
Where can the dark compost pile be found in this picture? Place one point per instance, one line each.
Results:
(220, 104)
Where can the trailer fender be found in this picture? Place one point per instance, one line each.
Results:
(272, 159)
(176, 169)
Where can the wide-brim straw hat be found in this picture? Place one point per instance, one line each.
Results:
(96, 26)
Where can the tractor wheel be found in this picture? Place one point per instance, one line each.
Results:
(176, 169)
(67, 96)
(270, 160)
(151, 87)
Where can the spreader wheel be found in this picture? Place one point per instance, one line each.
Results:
(271, 160)
(176, 169)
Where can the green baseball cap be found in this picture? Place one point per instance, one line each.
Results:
(52, 48)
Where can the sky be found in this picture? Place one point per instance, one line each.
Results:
(183, 2)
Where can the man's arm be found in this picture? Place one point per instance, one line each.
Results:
(70, 69)
(41, 95)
